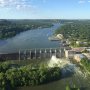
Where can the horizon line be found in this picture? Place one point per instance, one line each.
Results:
(43, 19)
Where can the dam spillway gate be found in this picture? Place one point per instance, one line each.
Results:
(29, 54)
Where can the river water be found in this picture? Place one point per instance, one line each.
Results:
(37, 38)
(72, 75)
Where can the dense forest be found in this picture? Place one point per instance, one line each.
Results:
(12, 77)
(9, 28)
(75, 30)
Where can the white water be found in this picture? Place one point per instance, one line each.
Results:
(66, 65)
(58, 62)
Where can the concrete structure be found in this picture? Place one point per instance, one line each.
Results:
(39, 53)
(79, 49)
(69, 53)
(78, 57)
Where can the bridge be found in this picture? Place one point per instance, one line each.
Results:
(36, 53)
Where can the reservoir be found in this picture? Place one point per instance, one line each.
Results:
(37, 38)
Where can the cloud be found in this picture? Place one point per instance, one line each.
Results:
(18, 4)
(89, 1)
(81, 1)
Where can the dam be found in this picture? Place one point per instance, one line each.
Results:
(27, 45)
(37, 53)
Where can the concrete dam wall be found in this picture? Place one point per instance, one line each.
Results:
(32, 54)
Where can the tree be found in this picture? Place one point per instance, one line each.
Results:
(67, 87)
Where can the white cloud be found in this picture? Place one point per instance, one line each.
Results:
(81, 1)
(89, 1)
(18, 4)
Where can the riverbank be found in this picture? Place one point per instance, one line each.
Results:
(10, 28)
(77, 33)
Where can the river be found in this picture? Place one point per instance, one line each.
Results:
(37, 38)
(72, 75)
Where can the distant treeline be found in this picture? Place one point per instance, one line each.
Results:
(29, 75)
(75, 30)
(9, 28)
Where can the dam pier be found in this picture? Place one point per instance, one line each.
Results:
(37, 53)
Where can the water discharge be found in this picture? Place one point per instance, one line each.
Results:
(58, 62)
(72, 75)
(66, 65)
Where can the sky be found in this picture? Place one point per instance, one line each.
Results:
(44, 9)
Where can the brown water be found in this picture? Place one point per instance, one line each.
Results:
(61, 84)
(58, 85)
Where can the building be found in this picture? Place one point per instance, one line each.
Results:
(79, 49)
(79, 57)
(70, 53)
